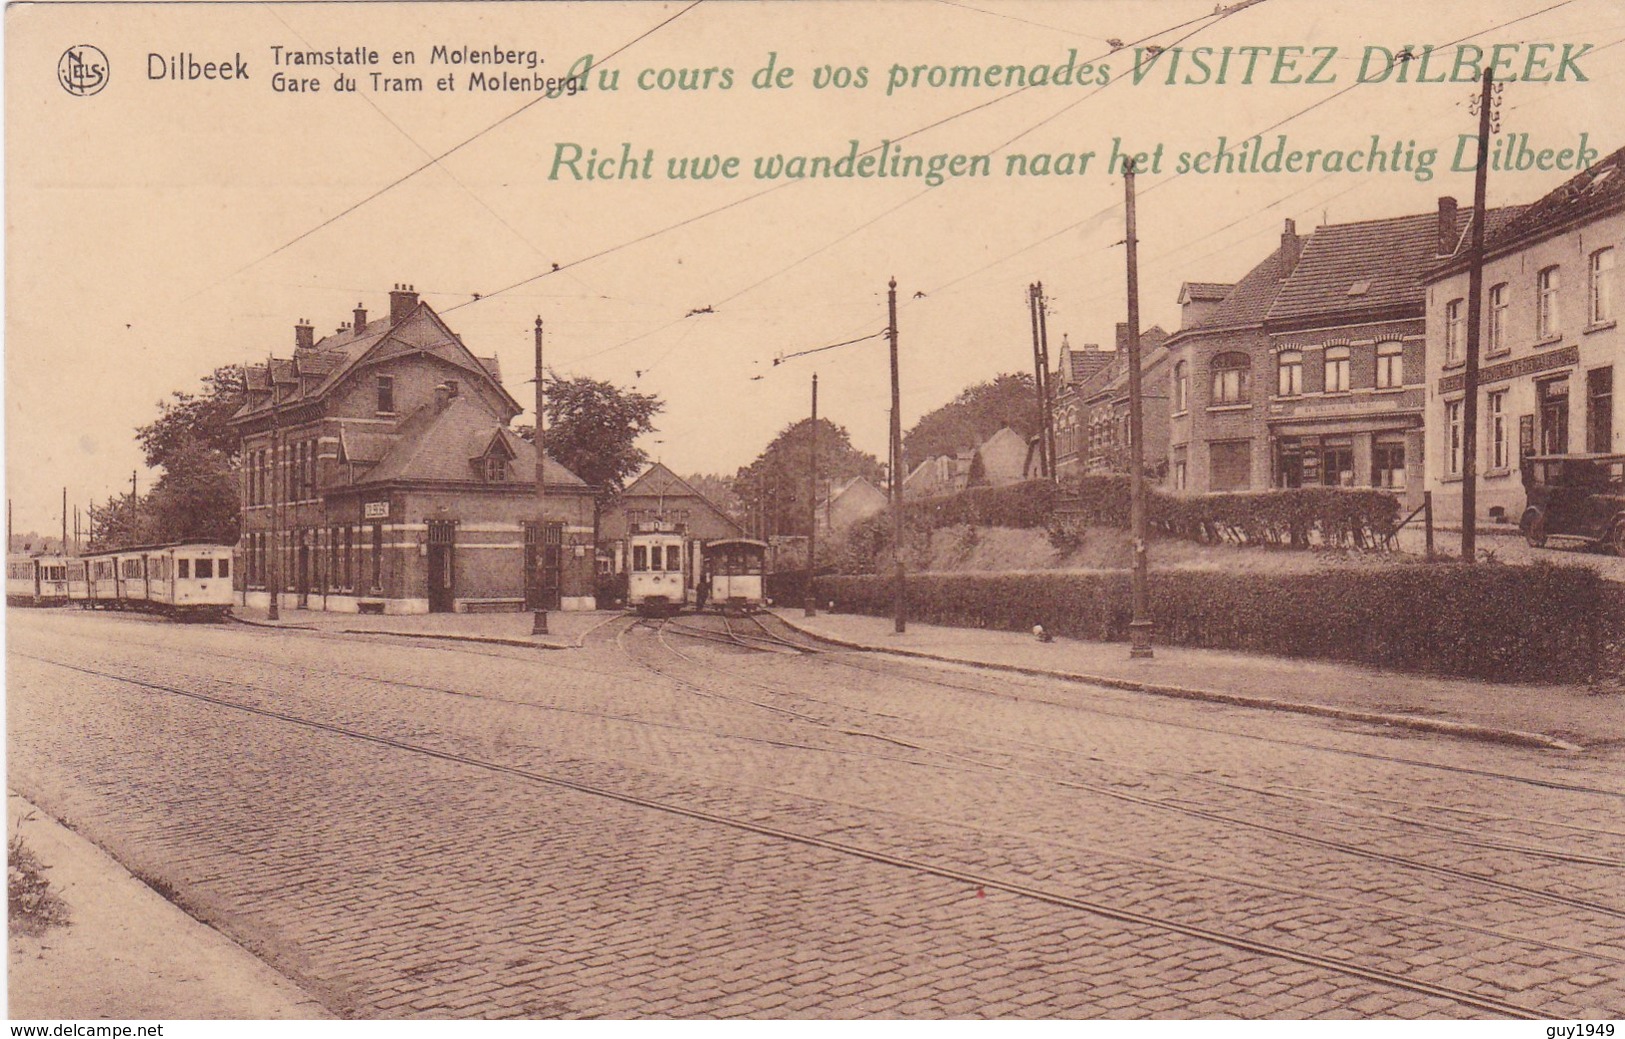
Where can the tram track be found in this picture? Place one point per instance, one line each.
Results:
(907, 863)
(1341, 846)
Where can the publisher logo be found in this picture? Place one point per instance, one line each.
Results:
(82, 70)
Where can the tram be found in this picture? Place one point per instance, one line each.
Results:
(733, 575)
(36, 580)
(659, 571)
(187, 581)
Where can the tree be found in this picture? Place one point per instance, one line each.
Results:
(973, 416)
(188, 418)
(773, 488)
(195, 496)
(592, 430)
(718, 489)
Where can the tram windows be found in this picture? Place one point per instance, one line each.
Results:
(205, 568)
(640, 557)
(225, 568)
(183, 569)
(674, 558)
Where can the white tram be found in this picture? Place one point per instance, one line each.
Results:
(36, 580)
(659, 571)
(733, 574)
(186, 580)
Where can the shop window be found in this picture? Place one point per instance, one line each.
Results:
(1388, 464)
(1600, 410)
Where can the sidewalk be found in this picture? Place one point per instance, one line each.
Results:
(1553, 716)
(126, 953)
(565, 630)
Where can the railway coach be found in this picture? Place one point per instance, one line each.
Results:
(36, 580)
(733, 575)
(188, 581)
(659, 571)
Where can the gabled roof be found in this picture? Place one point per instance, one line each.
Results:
(658, 480)
(437, 444)
(1371, 265)
(1592, 192)
(335, 356)
(1205, 291)
(1251, 297)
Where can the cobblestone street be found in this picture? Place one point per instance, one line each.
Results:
(673, 821)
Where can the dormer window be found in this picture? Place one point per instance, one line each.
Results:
(496, 468)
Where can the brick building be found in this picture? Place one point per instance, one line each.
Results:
(1551, 351)
(659, 495)
(379, 474)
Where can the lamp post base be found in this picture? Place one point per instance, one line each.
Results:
(538, 622)
(1139, 640)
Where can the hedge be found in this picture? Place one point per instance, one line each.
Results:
(1536, 622)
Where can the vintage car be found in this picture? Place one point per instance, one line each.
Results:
(1575, 496)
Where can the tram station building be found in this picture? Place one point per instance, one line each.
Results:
(379, 474)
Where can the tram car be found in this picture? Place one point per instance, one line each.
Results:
(187, 581)
(733, 575)
(36, 580)
(659, 571)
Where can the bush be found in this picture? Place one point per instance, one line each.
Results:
(1539, 622)
(31, 906)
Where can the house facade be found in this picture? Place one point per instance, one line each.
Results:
(1347, 354)
(1218, 438)
(379, 474)
(1551, 352)
(659, 496)
(847, 502)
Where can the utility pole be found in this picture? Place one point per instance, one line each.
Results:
(1140, 626)
(810, 608)
(539, 606)
(1046, 414)
(1475, 309)
(273, 580)
(899, 600)
(1046, 464)
(64, 521)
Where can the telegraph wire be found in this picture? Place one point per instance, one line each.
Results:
(436, 159)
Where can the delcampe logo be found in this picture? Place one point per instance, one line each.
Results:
(82, 70)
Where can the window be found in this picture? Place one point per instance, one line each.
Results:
(1230, 377)
(1601, 293)
(1337, 462)
(1454, 331)
(1337, 369)
(204, 568)
(674, 558)
(386, 394)
(1390, 366)
(1600, 410)
(1452, 438)
(183, 569)
(1181, 480)
(1289, 373)
(1498, 319)
(1230, 465)
(1552, 401)
(1181, 386)
(496, 468)
(640, 557)
(1497, 409)
(1547, 318)
(378, 555)
(1388, 464)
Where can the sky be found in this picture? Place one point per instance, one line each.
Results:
(159, 228)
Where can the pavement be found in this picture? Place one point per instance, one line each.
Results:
(126, 952)
(565, 629)
(1557, 717)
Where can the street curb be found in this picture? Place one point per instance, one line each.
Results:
(490, 640)
(266, 624)
(1463, 730)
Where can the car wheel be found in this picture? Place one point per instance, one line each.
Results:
(1616, 538)
(1533, 525)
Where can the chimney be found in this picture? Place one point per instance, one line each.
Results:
(304, 335)
(1291, 247)
(360, 318)
(402, 300)
(1122, 335)
(1448, 234)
